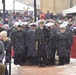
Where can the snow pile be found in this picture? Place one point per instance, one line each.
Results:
(73, 61)
(70, 69)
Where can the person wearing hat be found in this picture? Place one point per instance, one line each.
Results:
(31, 45)
(42, 35)
(26, 26)
(70, 34)
(18, 38)
(63, 43)
(52, 44)
(41, 21)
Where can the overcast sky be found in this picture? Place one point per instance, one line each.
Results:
(30, 2)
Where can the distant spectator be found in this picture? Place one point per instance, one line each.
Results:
(51, 16)
(42, 16)
(48, 15)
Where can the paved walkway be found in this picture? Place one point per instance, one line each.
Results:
(48, 70)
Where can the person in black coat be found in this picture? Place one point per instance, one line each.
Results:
(63, 45)
(42, 34)
(26, 26)
(18, 38)
(52, 44)
(70, 34)
(31, 45)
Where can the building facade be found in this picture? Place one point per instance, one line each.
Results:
(56, 5)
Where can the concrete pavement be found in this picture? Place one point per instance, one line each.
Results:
(48, 70)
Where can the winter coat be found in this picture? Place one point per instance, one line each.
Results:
(18, 39)
(42, 38)
(31, 43)
(8, 45)
(2, 49)
(48, 16)
(51, 48)
(70, 34)
(63, 44)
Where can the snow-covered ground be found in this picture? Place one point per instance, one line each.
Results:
(69, 69)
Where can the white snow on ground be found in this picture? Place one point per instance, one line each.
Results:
(73, 60)
(69, 69)
(14, 68)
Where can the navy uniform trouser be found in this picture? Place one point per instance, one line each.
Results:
(64, 60)
(19, 59)
(42, 60)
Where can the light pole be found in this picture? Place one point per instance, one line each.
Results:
(34, 10)
(13, 5)
(3, 1)
(38, 7)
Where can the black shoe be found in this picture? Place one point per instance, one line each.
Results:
(52, 64)
(60, 64)
(30, 64)
(22, 64)
(16, 63)
(43, 65)
(40, 65)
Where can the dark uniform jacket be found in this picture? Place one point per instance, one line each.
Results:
(42, 38)
(31, 43)
(8, 45)
(18, 39)
(63, 44)
(52, 43)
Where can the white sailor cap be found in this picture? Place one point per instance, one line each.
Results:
(65, 23)
(42, 21)
(50, 24)
(59, 21)
(16, 24)
(32, 24)
(62, 26)
(6, 25)
(25, 23)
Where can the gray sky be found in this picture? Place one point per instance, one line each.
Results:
(30, 2)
